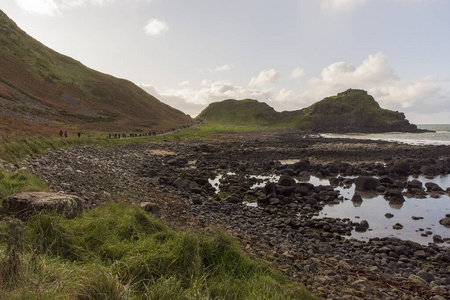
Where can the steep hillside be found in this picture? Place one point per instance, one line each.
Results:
(349, 111)
(352, 111)
(41, 90)
(240, 112)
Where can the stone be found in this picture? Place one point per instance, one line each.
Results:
(357, 198)
(437, 239)
(445, 222)
(366, 183)
(233, 199)
(25, 205)
(397, 226)
(433, 187)
(388, 215)
(149, 206)
(286, 181)
(417, 279)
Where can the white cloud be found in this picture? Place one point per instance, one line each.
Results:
(42, 7)
(340, 76)
(186, 82)
(406, 94)
(297, 73)
(156, 27)
(225, 67)
(206, 82)
(51, 7)
(265, 77)
(341, 5)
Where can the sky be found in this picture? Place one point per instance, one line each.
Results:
(287, 53)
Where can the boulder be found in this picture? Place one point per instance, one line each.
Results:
(24, 205)
(233, 199)
(149, 206)
(445, 222)
(366, 183)
(433, 187)
(397, 226)
(401, 166)
(286, 181)
(357, 198)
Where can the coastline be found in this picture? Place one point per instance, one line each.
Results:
(281, 229)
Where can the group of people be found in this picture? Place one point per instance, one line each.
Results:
(61, 133)
(131, 135)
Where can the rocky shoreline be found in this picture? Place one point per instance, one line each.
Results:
(173, 181)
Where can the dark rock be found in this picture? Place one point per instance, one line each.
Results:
(286, 181)
(197, 201)
(429, 170)
(357, 198)
(24, 205)
(149, 206)
(445, 222)
(394, 195)
(366, 183)
(270, 188)
(388, 215)
(397, 226)
(437, 239)
(433, 187)
(401, 166)
(233, 199)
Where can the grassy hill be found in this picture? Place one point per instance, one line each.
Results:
(349, 111)
(42, 91)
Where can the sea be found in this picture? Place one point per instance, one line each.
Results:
(440, 136)
(430, 210)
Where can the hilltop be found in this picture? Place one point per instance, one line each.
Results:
(42, 91)
(350, 111)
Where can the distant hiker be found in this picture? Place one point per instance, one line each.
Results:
(60, 133)
(65, 133)
(79, 134)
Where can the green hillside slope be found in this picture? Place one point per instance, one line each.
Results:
(41, 89)
(349, 111)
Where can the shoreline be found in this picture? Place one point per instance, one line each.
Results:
(318, 254)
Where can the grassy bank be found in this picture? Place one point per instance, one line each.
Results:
(119, 252)
(13, 149)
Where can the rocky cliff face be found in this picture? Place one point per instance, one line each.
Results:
(354, 111)
(347, 112)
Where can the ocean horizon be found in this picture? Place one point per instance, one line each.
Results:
(440, 136)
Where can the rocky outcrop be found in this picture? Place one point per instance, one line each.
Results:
(25, 205)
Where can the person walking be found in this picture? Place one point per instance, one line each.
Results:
(60, 133)
(65, 133)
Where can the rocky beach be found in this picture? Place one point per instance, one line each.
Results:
(201, 185)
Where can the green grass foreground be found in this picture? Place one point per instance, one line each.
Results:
(119, 252)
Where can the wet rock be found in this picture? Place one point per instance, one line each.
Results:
(366, 183)
(233, 199)
(433, 187)
(24, 205)
(286, 181)
(401, 166)
(437, 239)
(397, 226)
(445, 221)
(357, 198)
